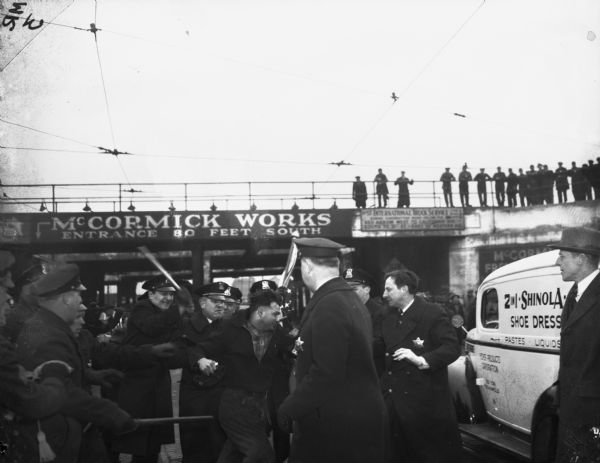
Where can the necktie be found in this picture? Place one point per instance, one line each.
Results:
(569, 304)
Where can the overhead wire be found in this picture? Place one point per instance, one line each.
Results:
(397, 97)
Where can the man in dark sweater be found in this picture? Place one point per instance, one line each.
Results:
(249, 347)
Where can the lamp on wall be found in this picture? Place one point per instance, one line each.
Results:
(172, 209)
(131, 207)
(87, 207)
(43, 206)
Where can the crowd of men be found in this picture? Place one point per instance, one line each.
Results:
(353, 380)
(511, 189)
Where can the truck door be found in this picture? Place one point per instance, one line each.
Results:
(487, 357)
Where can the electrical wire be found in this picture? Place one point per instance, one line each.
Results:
(408, 86)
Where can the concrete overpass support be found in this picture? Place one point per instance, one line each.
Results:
(494, 237)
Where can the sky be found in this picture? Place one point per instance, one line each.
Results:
(265, 90)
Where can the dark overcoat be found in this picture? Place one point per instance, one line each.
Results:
(46, 337)
(146, 392)
(421, 398)
(337, 407)
(579, 379)
(199, 394)
(20, 399)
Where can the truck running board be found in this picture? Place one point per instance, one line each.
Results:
(503, 440)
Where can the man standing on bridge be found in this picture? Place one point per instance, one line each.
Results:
(579, 372)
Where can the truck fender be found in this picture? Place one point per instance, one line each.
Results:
(544, 426)
(466, 395)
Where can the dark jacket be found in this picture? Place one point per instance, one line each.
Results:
(337, 407)
(146, 393)
(579, 378)
(20, 399)
(232, 346)
(421, 398)
(46, 337)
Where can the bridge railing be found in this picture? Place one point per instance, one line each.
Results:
(114, 197)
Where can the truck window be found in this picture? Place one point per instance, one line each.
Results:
(489, 309)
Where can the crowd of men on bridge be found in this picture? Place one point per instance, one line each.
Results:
(535, 186)
(334, 379)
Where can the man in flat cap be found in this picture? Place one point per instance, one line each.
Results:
(199, 394)
(579, 373)
(146, 393)
(336, 408)
(46, 340)
(248, 347)
(359, 193)
(419, 343)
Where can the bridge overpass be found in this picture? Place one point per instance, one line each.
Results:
(452, 249)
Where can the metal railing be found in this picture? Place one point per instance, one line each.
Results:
(115, 197)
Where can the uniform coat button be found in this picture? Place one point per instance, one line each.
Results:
(390, 390)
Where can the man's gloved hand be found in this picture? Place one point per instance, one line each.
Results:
(106, 378)
(166, 350)
(127, 427)
(284, 421)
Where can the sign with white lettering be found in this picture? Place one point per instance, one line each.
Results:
(494, 257)
(182, 225)
(418, 218)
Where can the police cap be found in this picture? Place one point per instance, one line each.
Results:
(159, 283)
(61, 279)
(234, 294)
(358, 276)
(263, 285)
(218, 288)
(317, 247)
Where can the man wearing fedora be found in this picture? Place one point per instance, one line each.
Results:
(579, 373)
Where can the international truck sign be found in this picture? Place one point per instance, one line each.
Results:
(412, 219)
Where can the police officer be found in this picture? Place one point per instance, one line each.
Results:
(47, 339)
(337, 408)
(146, 393)
(199, 394)
(21, 399)
(362, 282)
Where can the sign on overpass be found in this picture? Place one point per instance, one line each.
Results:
(121, 226)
